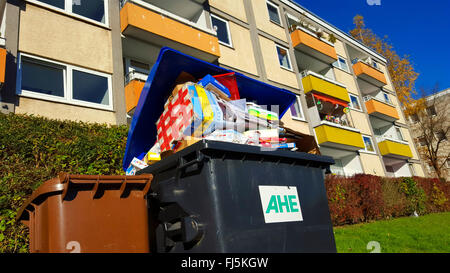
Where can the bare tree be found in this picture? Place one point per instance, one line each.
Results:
(431, 118)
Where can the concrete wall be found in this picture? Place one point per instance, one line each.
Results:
(372, 164)
(263, 22)
(234, 8)
(347, 80)
(241, 56)
(272, 65)
(360, 122)
(297, 125)
(59, 37)
(62, 111)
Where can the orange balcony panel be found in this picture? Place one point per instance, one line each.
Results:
(2, 65)
(382, 110)
(370, 74)
(132, 92)
(313, 46)
(147, 25)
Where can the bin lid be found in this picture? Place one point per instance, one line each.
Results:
(160, 83)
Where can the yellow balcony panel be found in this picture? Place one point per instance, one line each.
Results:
(2, 65)
(149, 26)
(313, 46)
(339, 137)
(382, 110)
(319, 85)
(369, 74)
(394, 149)
(132, 92)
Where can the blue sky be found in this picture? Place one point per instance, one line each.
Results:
(420, 29)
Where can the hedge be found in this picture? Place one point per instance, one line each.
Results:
(364, 198)
(34, 149)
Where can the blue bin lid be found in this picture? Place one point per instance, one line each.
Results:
(159, 86)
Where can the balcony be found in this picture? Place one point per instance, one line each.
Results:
(381, 109)
(394, 148)
(369, 73)
(307, 42)
(134, 82)
(338, 136)
(2, 64)
(313, 82)
(160, 27)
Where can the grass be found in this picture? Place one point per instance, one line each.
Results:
(425, 234)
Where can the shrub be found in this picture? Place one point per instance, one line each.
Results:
(371, 196)
(363, 198)
(395, 201)
(415, 195)
(343, 200)
(34, 149)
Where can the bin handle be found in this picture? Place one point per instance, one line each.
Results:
(183, 165)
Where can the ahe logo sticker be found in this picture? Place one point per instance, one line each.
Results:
(280, 204)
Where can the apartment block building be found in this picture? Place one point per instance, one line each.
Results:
(436, 116)
(88, 60)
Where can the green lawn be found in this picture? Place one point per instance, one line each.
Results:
(424, 234)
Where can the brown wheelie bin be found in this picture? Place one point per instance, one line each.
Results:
(89, 213)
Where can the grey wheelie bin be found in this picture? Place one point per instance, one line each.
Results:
(224, 197)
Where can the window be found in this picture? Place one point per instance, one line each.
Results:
(283, 57)
(374, 64)
(412, 169)
(386, 97)
(90, 88)
(341, 63)
(354, 102)
(399, 134)
(56, 3)
(296, 109)
(92, 9)
(431, 111)
(54, 81)
(368, 144)
(414, 118)
(222, 29)
(422, 141)
(274, 13)
(36, 75)
(441, 135)
(95, 10)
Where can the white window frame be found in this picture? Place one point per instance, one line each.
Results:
(228, 30)
(278, 12)
(68, 84)
(351, 103)
(68, 10)
(298, 100)
(401, 133)
(339, 64)
(287, 54)
(386, 94)
(365, 148)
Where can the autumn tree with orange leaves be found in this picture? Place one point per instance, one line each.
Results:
(400, 69)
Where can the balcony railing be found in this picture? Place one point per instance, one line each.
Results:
(393, 147)
(338, 136)
(381, 108)
(308, 42)
(135, 75)
(312, 81)
(149, 23)
(369, 72)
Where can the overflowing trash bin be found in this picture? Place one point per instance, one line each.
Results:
(229, 176)
(89, 214)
